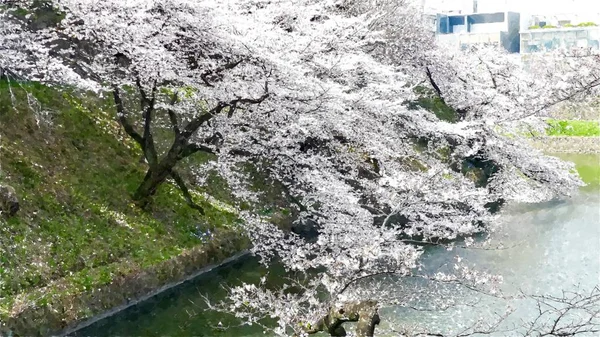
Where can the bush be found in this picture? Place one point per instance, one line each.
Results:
(429, 101)
(587, 24)
(573, 128)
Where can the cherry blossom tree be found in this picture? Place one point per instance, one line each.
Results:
(570, 76)
(159, 52)
(313, 94)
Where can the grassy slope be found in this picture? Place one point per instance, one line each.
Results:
(573, 128)
(74, 177)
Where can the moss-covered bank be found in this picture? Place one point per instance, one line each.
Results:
(78, 246)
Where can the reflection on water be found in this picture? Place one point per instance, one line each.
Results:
(588, 167)
(553, 247)
(181, 311)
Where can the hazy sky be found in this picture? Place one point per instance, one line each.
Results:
(524, 6)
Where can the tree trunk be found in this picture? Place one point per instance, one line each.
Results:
(159, 170)
(154, 177)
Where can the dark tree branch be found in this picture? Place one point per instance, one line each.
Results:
(227, 66)
(184, 190)
(197, 122)
(173, 116)
(492, 76)
(437, 89)
(193, 148)
(232, 105)
(149, 104)
(149, 110)
(571, 95)
(364, 313)
(570, 314)
(144, 97)
(129, 129)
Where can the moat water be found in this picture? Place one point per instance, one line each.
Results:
(551, 247)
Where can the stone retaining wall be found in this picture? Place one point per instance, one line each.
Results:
(568, 144)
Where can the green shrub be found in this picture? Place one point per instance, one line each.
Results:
(573, 128)
(587, 24)
(429, 101)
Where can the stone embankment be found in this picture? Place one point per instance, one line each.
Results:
(568, 144)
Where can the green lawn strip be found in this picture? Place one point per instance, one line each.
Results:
(573, 128)
(74, 171)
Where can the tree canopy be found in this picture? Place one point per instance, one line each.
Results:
(315, 94)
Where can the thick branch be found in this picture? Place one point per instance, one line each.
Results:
(143, 96)
(148, 105)
(186, 193)
(197, 122)
(173, 116)
(437, 89)
(232, 105)
(226, 66)
(148, 112)
(193, 148)
(129, 129)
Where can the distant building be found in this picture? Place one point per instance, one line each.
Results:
(499, 28)
(549, 39)
(546, 33)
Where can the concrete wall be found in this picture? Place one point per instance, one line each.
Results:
(458, 40)
(488, 27)
(458, 29)
(511, 39)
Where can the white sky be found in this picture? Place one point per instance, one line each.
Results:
(582, 7)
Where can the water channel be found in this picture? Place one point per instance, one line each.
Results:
(555, 246)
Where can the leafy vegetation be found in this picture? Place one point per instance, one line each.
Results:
(74, 171)
(568, 25)
(429, 101)
(582, 24)
(542, 27)
(573, 128)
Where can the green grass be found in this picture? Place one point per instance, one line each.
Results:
(429, 101)
(74, 171)
(573, 128)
